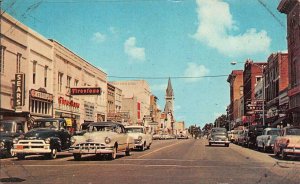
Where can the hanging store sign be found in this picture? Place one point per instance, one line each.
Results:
(86, 91)
(19, 89)
(41, 95)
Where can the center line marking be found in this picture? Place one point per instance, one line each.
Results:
(159, 149)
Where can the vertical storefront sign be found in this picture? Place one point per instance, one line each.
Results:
(19, 90)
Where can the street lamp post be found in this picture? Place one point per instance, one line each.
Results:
(263, 90)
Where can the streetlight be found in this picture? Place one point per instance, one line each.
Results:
(263, 91)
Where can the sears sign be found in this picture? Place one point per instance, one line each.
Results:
(19, 89)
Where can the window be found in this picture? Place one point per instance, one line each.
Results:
(34, 72)
(69, 81)
(60, 77)
(45, 76)
(18, 66)
(2, 52)
(76, 82)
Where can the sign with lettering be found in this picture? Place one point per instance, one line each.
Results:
(86, 91)
(41, 95)
(71, 103)
(19, 90)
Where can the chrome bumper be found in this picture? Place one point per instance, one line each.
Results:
(91, 148)
(31, 147)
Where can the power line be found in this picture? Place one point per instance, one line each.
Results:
(174, 77)
(272, 14)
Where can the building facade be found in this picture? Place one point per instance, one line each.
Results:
(71, 71)
(292, 9)
(26, 72)
(138, 92)
(235, 80)
(253, 73)
(276, 83)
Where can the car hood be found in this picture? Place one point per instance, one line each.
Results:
(136, 135)
(40, 133)
(94, 137)
(8, 136)
(293, 140)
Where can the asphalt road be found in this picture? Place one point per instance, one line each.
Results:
(168, 161)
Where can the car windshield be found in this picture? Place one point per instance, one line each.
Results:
(273, 132)
(6, 127)
(293, 131)
(134, 130)
(46, 124)
(102, 128)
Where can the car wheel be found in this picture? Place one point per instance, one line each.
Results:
(283, 155)
(209, 144)
(20, 156)
(264, 148)
(127, 152)
(53, 154)
(148, 147)
(77, 156)
(226, 145)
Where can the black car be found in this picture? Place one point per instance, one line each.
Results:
(10, 129)
(253, 132)
(48, 137)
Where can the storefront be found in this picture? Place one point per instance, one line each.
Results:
(40, 103)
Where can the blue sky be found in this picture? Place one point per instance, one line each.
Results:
(164, 38)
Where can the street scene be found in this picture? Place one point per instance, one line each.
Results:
(159, 91)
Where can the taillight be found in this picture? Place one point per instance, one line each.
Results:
(288, 141)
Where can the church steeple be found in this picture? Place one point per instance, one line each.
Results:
(169, 90)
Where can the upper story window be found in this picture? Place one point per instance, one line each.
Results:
(34, 72)
(69, 81)
(60, 78)
(18, 66)
(45, 75)
(2, 52)
(76, 82)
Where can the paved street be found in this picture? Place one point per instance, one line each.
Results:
(168, 161)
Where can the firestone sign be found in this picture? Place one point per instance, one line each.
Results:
(85, 91)
(19, 90)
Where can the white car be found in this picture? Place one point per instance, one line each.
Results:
(102, 138)
(142, 139)
(267, 139)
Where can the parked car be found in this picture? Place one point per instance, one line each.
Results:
(142, 139)
(219, 136)
(48, 137)
(242, 137)
(9, 130)
(107, 138)
(288, 143)
(266, 141)
(253, 132)
(236, 135)
(156, 136)
(233, 136)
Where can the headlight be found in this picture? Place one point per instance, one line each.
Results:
(140, 138)
(1, 144)
(73, 140)
(47, 141)
(107, 140)
(15, 141)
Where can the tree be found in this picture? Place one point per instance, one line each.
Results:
(221, 121)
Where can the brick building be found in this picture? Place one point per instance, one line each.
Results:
(292, 9)
(276, 83)
(235, 80)
(252, 108)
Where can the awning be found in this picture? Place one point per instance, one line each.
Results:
(278, 121)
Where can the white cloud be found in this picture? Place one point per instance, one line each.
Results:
(113, 30)
(215, 23)
(99, 37)
(158, 87)
(195, 72)
(133, 51)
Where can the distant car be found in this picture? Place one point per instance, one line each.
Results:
(242, 138)
(47, 138)
(182, 136)
(253, 132)
(142, 139)
(233, 136)
(266, 141)
(156, 136)
(102, 138)
(288, 143)
(9, 130)
(219, 136)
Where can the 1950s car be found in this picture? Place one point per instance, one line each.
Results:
(218, 136)
(142, 139)
(288, 143)
(266, 141)
(10, 129)
(48, 137)
(107, 138)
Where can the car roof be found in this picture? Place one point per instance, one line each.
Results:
(134, 126)
(49, 119)
(105, 123)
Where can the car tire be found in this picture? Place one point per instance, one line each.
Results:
(226, 145)
(127, 152)
(77, 156)
(53, 154)
(264, 148)
(209, 144)
(20, 156)
(148, 147)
